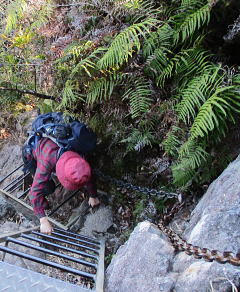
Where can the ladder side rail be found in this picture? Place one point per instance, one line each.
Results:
(99, 283)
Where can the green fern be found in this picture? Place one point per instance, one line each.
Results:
(162, 40)
(139, 139)
(102, 88)
(139, 94)
(172, 142)
(87, 63)
(191, 156)
(145, 9)
(69, 98)
(14, 11)
(196, 92)
(41, 16)
(74, 51)
(218, 107)
(37, 18)
(189, 19)
(186, 62)
(125, 44)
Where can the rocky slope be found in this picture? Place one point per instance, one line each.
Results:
(147, 261)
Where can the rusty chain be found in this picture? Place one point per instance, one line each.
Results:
(198, 252)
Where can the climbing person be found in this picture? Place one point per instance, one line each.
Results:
(50, 163)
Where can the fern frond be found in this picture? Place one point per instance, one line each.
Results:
(146, 9)
(190, 19)
(218, 107)
(138, 139)
(195, 93)
(75, 51)
(87, 63)
(139, 94)
(172, 142)
(102, 88)
(185, 63)
(156, 63)
(125, 44)
(191, 156)
(161, 39)
(41, 16)
(68, 96)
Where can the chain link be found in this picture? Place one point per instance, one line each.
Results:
(198, 252)
(129, 186)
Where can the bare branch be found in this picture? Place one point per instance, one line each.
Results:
(31, 92)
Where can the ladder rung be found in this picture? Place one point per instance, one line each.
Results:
(65, 241)
(60, 246)
(45, 250)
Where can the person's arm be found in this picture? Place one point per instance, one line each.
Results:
(46, 160)
(38, 199)
(92, 192)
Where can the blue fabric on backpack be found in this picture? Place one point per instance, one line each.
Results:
(74, 136)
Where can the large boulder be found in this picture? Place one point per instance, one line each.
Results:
(142, 263)
(147, 261)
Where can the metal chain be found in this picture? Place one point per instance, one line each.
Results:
(129, 186)
(198, 252)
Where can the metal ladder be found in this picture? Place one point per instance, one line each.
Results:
(83, 256)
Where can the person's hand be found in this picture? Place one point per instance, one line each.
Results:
(45, 226)
(93, 202)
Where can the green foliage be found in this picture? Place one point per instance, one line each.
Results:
(138, 207)
(139, 138)
(14, 11)
(139, 94)
(186, 62)
(196, 92)
(190, 18)
(161, 39)
(125, 44)
(77, 56)
(215, 109)
(191, 156)
(207, 103)
(47, 106)
(101, 88)
(143, 59)
(172, 142)
(69, 97)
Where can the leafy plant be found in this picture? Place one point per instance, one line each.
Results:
(125, 44)
(139, 94)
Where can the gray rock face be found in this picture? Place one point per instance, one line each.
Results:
(214, 224)
(6, 209)
(142, 264)
(97, 223)
(11, 158)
